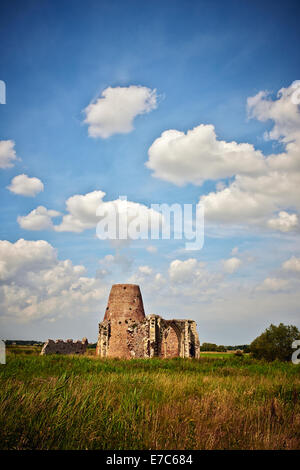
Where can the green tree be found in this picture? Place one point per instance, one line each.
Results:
(275, 343)
(209, 347)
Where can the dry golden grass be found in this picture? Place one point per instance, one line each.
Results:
(82, 403)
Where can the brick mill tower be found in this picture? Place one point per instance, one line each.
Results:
(126, 332)
(124, 309)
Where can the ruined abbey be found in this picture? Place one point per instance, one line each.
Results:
(126, 332)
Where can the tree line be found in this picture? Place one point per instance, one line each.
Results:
(274, 343)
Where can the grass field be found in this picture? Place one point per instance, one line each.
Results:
(216, 402)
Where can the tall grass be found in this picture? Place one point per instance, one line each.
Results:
(71, 402)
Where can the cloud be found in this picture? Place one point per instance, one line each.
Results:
(182, 271)
(115, 110)
(234, 205)
(287, 278)
(7, 153)
(199, 155)
(151, 282)
(282, 111)
(193, 274)
(17, 258)
(183, 279)
(81, 215)
(127, 220)
(284, 222)
(145, 270)
(265, 199)
(38, 219)
(102, 273)
(292, 265)
(263, 191)
(231, 265)
(118, 260)
(35, 284)
(81, 212)
(221, 305)
(274, 284)
(25, 186)
(86, 211)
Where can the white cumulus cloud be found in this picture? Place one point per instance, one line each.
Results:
(145, 270)
(282, 111)
(231, 265)
(292, 264)
(264, 190)
(284, 222)
(35, 284)
(7, 153)
(274, 284)
(118, 260)
(264, 199)
(183, 271)
(81, 210)
(26, 186)
(24, 255)
(199, 155)
(115, 110)
(85, 211)
(38, 219)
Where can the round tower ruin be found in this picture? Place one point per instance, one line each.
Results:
(125, 303)
(124, 310)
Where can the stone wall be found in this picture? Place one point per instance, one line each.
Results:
(126, 332)
(172, 338)
(64, 347)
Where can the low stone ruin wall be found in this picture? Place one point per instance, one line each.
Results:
(65, 347)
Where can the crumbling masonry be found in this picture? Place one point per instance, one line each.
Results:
(64, 347)
(126, 332)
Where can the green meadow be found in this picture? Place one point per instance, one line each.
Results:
(216, 402)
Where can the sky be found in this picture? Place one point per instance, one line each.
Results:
(186, 102)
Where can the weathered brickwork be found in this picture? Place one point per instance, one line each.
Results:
(126, 332)
(64, 347)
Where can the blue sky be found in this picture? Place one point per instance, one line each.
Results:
(204, 59)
